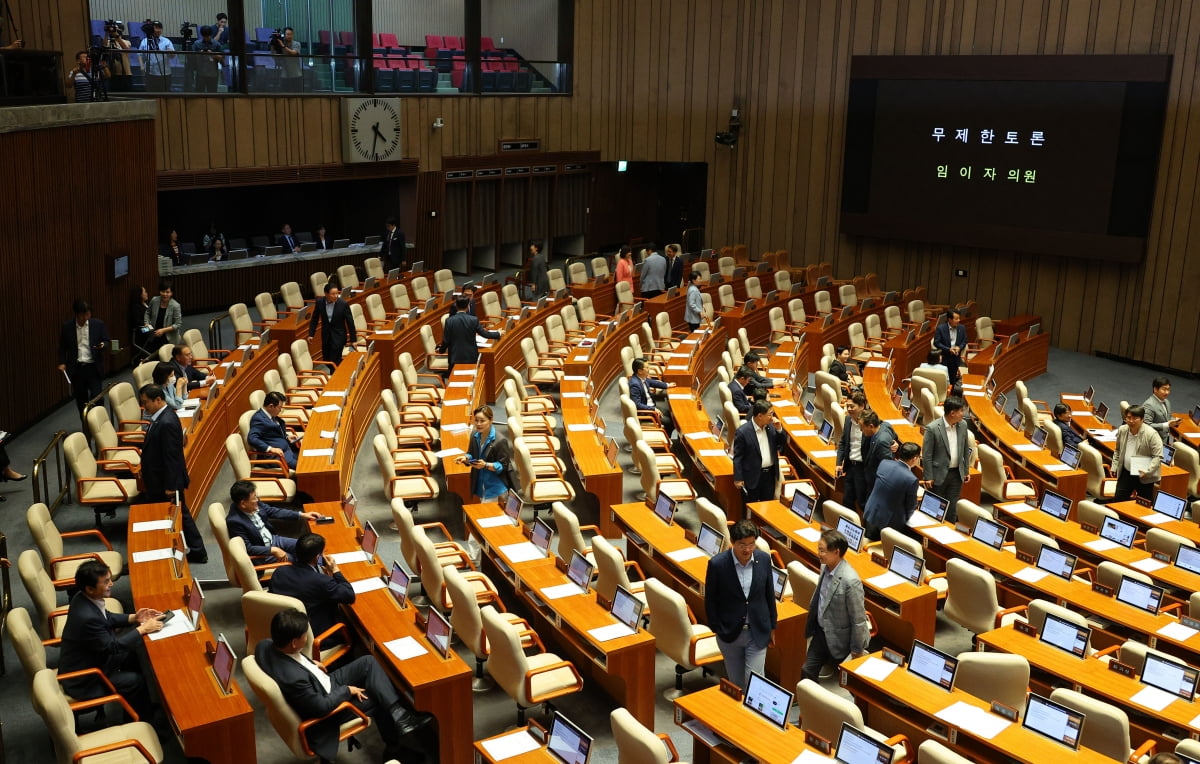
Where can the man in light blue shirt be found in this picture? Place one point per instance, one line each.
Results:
(156, 65)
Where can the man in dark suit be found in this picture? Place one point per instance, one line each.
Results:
(945, 456)
(640, 386)
(674, 267)
(851, 454)
(741, 390)
(287, 242)
(90, 641)
(539, 279)
(1062, 420)
(248, 519)
(164, 472)
(894, 496)
(468, 291)
(458, 336)
(392, 246)
(185, 368)
(756, 447)
(880, 445)
(81, 348)
(269, 434)
(951, 339)
(337, 325)
(314, 692)
(739, 599)
(316, 581)
(837, 618)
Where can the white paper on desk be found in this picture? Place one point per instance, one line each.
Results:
(561, 590)
(810, 757)
(512, 744)
(579, 427)
(364, 585)
(192, 403)
(677, 367)
(783, 404)
(897, 422)
(793, 420)
(886, 580)
(679, 396)
(1071, 397)
(877, 364)
(1148, 564)
(326, 408)
(463, 372)
(825, 453)
(697, 435)
(495, 521)
(972, 387)
(317, 452)
(1104, 436)
(1026, 447)
(920, 520)
(346, 558)
(1030, 575)
(944, 534)
(153, 525)
(456, 427)
(807, 432)
(180, 623)
(448, 452)
(684, 356)
(875, 668)
(809, 534)
(1177, 631)
(972, 393)
(523, 551)
(973, 719)
(1153, 698)
(482, 342)
(334, 394)
(456, 402)
(329, 434)
(150, 555)
(575, 378)
(610, 632)
(185, 413)
(690, 341)
(461, 384)
(383, 331)
(786, 354)
(1016, 507)
(1102, 545)
(405, 648)
(685, 554)
(574, 395)
(712, 452)
(1156, 518)
(1060, 467)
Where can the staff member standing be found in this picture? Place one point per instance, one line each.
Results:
(951, 339)
(756, 447)
(837, 616)
(459, 333)
(693, 308)
(852, 454)
(739, 601)
(1137, 458)
(1158, 408)
(333, 316)
(945, 457)
(164, 471)
(81, 347)
(894, 495)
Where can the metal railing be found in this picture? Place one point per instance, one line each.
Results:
(214, 330)
(6, 603)
(52, 456)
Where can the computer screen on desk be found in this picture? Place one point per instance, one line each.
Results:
(1195, 415)
(626, 607)
(1101, 411)
(437, 631)
(1056, 561)
(1170, 505)
(1055, 505)
(224, 661)
(1088, 394)
(826, 431)
(912, 413)
(540, 534)
(768, 699)
(1169, 676)
(1038, 438)
(998, 402)
(1118, 532)
(580, 570)
(398, 584)
(370, 538)
(1016, 420)
(852, 531)
(1070, 457)
(709, 540)
(932, 664)
(779, 579)
(989, 532)
(906, 565)
(1057, 722)
(664, 507)
(1140, 595)
(933, 506)
(341, 243)
(1188, 558)
(195, 602)
(567, 743)
(802, 505)
(418, 267)
(1065, 635)
(512, 507)
(857, 747)
(809, 411)
(1168, 457)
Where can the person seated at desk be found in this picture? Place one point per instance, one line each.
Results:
(756, 448)
(287, 242)
(313, 692)
(752, 361)
(1158, 408)
(934, 361)
(269, 434)
(741, 390)
(217, 252)
(320, 239)
(316, 581)
(248, 519)
(840, 368)
(1062, 420)
(174, 387)
(951, 339)
(837, 617)
(185, 366)
(879, 445)
(163, 319)
(894, 495)
(640, 386)
(739, 600)
(1137, 457)
(90, 640)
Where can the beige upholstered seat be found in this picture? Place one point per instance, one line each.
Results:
(100, 492)
(577, 272)
(996, 482)
(823, 712)
(994, 676)
(259, 607)
(1165, 542)
(570, 534)
(554, 278)
(443, 280)
(348, 277)
(123, 399)
(420, 291)
(638, 745)
(612, 571)
(413, 485)
(600, 266)
(971, 598)
(401, 302)
(59, 566)
(1029, 542)
(933, 752)
(528, 679)
(243, 325)
(273, 486)
(1110, 574)
(373, 267)
(305, 366)
(467, 621)
(832, 511)
(534, 489)
(1188, 460)
(292, 298)
(432, 570)
(969, 512)
(938, 378)
(540, 370)
(317, 282)
(1100, 485)
(689, 644)
(134, 742)
(803, 582)
(891, 538)
(678, 489)
(108, 444)
(1188, 748)
(1105, 727)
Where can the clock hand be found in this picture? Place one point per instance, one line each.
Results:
(375, 141)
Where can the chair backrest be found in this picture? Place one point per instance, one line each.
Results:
(822, 302)
(101, 428)
(570, 537)
(832, 511)
(506, 662)
(40, 589)
(1039, 608)
(992, 465)
(143, 373)
(293, 299)
(348, 276)
(610, 569)
(443, 280)
(1187, 459)
(783, 281)
(245, 574)
(1092, 463)
(511, 297)
(702, 269)
(600, 266)
(587, 310)
(933, 752)
(374, 268)
(216, 521)
(45, 534)
(577, 272)
(644, 456)
(671, 627)
(938, 380)
(405, 523)
(726, 266)
(360, 318)
(1030, 542)
(916, 311)
(1188, 747)
(753, 288)
(847, 295)
(710, 513)
(374, 307)
(1166, 542)
(1093, 514)
(491, 305)
(969, 512)
(891, 538)
(122, 397)
(635, 743)
(400, 299)
(823, 711)
(970, 596)
(796, 314)
(79, 457)
(25, 641)
(803, 581)
(51, 704)
(1110, 573)
(283, 717)
(725, 297)
(429, 568)
(554, 277)
(1133, 653)
(266, 307)
(994, 676)
(464, 616)
(420, 290)
(258, 608)
(1105, 727)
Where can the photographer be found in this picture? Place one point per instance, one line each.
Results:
(156, 63)
(114, 45)
(286, 46)
(204, 64)
(81, 77)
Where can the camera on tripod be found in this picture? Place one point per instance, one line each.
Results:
(276, 41)
(114, 28)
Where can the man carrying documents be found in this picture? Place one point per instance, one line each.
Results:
(1137, 458)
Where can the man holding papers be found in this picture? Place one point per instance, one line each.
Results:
(316, 581)
(1137, 458)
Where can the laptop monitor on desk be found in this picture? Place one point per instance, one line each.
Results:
(1056, 561)
(768, 700)
(1038, 438)
(1101, 411)
(999, 401)
(1118, 532)
(1016, 420)
(857, 747)
(580, 570)
(418, 267)
(1055, 505)
(1066, 636)
(398, 584)
(370, 539)
(1168, 457)
(627, 608)
(802, 505)
(709, 540)
(341, 243)
(906, 565)
(852, 531)
(1188, 558)
(1142, 596)
(826, 432)
(195, 602)
(1070, 457)
(932, 664)
(1170, 676)
(1088, 394)
(308, 246)
(568, 743)
(370, 240)
(1055, 721)
(664, 507)
(512, 507)
(989, 532)
(933, 507)
(438, 632)
(1195, 415)
(540, 534)
(224, 661)
(1170, 505)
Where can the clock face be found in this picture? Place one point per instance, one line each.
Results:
(373, 130)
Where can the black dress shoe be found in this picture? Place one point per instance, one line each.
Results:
(198, 557)
(413, 722)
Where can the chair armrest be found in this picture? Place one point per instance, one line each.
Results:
(110, 747)
(266, 566)
(934, 576)
(269, 478)
(83, 705)
(90, 532)
(117, 449)
(633, 565)
(114, 465)
(409, 476)
(1110, 650)
(1174, 606)
(113, 480)
(95, 672)
(62, 583)
(1147, 748)
(1010, 611)
(529, 675)
(332, 630)
(531, 637)
(343, 706)
(672, 754)
(1028, 483)
(902, 740)
(269, 462)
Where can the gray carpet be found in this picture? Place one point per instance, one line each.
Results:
(25, 736)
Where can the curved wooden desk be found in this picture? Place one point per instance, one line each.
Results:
(354, 390)
(745, 735)
(1025, 361)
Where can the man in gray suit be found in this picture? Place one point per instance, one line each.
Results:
(945, 457)
(837, 621)
(654, 275)
(1158, 408)
(1137, 458)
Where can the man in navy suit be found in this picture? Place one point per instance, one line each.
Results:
(392, 246)
(287, 242)
(332, 315)
(756, 448)
(90, 640)
(269, 434)
(314, 692)
(951, 339)
(248, 519)
(879, 445)
(740, 390)
(739, 599)
(164, 471)
(81, 348)
(894, 496)
(640, 385)
(837, 618)
(316, 581)
(185, 368)
(674, 267)
(459, 333)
